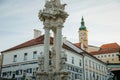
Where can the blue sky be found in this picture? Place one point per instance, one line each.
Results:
(18, 18)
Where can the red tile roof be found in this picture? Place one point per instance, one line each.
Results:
(107, 49)
(39, 40)
(78, 44)
(110, 45)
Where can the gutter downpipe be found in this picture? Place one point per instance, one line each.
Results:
(83, 67)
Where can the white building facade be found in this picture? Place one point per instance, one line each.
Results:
(22, 61)
(94, 69)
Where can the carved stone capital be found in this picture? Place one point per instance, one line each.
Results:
(47, 27)
(53, 11)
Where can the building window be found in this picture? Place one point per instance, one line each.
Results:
(66, 57)
(109, 55)
(76, 76)
(15, 58)
(98, 56)
(35, 55)
(96, 67)
(37, 68)
(18, 72)
(86, 62)
(112, 55)
(112, 59)
(80, 62)
(93, 65)
(99, 67)
(29, 70)
(101, 56)
(90, 63)
(25, 56)
(90, 76)
(87, 75)
(72, 60)
(104, 55)
(107, 61)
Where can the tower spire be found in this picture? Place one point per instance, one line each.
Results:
(82, 27)
(82, 22)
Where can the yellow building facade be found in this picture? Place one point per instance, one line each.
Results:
(108, 53)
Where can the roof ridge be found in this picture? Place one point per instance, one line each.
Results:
(25, 44)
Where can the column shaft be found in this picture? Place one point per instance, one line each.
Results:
(46, 48)
(58, 48)
(54, 47)
(54, 41)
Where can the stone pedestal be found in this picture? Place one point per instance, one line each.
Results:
(52, 75)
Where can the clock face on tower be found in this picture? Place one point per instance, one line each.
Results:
(84, 34)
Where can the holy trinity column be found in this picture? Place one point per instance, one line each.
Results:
(53, 17)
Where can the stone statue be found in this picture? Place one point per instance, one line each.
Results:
(53, 15)
(63, 60)
(53, 59)
(41, 62)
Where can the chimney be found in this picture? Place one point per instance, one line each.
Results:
(82, 46)
(37, 33)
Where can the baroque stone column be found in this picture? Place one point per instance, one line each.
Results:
(58, 47)
(46, 48)
(53, 17)
(54, 52)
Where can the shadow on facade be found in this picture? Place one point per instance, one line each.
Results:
(116, 75)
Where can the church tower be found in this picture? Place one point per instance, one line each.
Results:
(83, 35)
